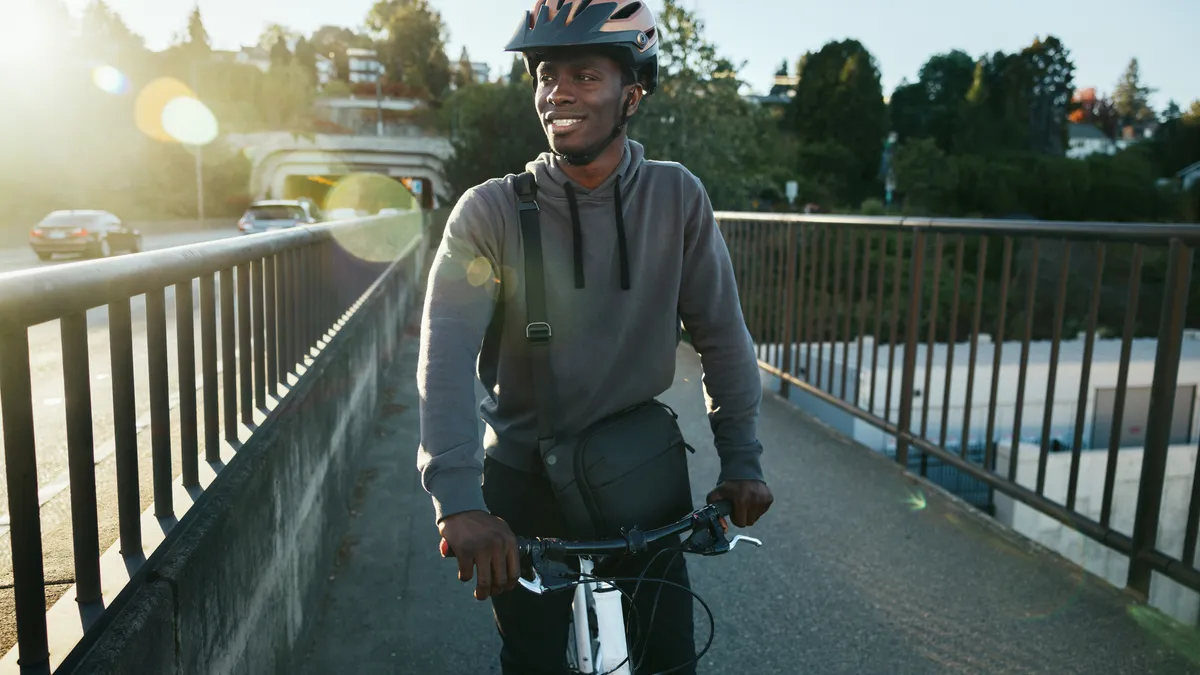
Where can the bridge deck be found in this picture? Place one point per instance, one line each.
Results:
(853, 577)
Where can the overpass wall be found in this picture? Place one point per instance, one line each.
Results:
(233, 591)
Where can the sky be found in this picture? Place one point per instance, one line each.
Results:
(1102, 35)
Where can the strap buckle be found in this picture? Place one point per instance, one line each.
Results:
(528, 206)
(539, 331)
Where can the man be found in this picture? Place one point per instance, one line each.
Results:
(630, 249)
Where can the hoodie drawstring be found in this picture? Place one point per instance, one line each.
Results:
(577, 230)
(578, 233)
(621, 244)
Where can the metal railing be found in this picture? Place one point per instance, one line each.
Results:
(822, 295)
(273, 299)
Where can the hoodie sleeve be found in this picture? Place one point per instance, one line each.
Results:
(459, 304)
(712, 314)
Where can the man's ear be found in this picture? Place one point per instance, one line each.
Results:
(633, 100)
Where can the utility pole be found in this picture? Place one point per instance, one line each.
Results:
(199, 152)
(379, 99)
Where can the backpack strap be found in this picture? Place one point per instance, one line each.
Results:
(537, 329)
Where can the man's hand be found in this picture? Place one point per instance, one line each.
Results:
(484, 542)
(751, 499)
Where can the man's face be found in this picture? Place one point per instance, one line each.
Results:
(580, 99)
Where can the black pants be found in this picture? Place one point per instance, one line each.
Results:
(534, 628)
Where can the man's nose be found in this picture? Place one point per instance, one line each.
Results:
(561, 94)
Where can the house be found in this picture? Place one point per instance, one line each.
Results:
(1086, 139)
(1189, 176)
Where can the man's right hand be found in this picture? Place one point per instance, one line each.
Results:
(484, 542)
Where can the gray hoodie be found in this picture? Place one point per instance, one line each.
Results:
(624, 264)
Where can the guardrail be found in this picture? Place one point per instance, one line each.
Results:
(271, 298)
(883, 286)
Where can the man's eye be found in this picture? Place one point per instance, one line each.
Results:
(546, 78)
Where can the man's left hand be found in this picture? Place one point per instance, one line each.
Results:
(751, 499)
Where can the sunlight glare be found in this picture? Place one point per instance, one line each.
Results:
(25, 32)
(110, 80)
(189, 121)
(152, 103)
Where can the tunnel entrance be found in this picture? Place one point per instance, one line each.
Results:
(363, 191)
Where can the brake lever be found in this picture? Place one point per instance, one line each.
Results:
(557, 576)
(742, 537)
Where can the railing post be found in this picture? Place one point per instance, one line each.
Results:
(29, 587)
(1158, 423)
(916, 279)
(789, 291)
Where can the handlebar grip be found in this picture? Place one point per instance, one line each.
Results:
(524, 546)
(724, 507)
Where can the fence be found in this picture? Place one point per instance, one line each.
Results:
(268, 303)
(816, 283)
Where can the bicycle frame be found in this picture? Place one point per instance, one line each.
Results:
(612, 644)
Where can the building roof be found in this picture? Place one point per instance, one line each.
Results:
(1079, 130)
(1188, 170)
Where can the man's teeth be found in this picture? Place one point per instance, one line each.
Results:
(562, 124)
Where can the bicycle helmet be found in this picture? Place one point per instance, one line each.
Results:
(626, 27)
(622, 29)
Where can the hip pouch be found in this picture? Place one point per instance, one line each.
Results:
(628, 469)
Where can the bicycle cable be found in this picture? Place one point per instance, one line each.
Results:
(657, 595)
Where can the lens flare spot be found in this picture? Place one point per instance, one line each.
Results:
(110, 80)
(916, 500)
(189, 121)
(479, 271)
(152, 101)
(1183, 640)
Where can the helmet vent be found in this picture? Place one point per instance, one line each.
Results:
(583, 4)
(626, 12)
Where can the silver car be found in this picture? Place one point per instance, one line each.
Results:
(91, 233)
(277, 214)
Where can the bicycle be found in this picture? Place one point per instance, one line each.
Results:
(598, 625)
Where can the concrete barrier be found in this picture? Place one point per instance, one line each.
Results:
(229, 592)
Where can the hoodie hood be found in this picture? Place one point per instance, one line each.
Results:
(553, 183)
(552, 180)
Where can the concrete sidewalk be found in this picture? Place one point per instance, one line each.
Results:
(856, 575)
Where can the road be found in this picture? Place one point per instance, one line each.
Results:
(47, 379)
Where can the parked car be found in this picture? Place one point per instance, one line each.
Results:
(278, 214)
(91, 233)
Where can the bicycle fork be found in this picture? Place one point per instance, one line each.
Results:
(610, 627)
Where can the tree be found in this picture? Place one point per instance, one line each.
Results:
(105, 36)
(412, 45)
(839, 98)
(1131, 98)
(333, 41)
(518, 72)
(493, 131)
(698, 117)
(464, 76)
(197, 35)
(936, 106)
(1095, 110)
(281, 56)
(1172, 111)
(306, 58)
(924, 176)
(1050, 74)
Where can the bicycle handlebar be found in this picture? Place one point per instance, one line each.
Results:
(633, 541)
